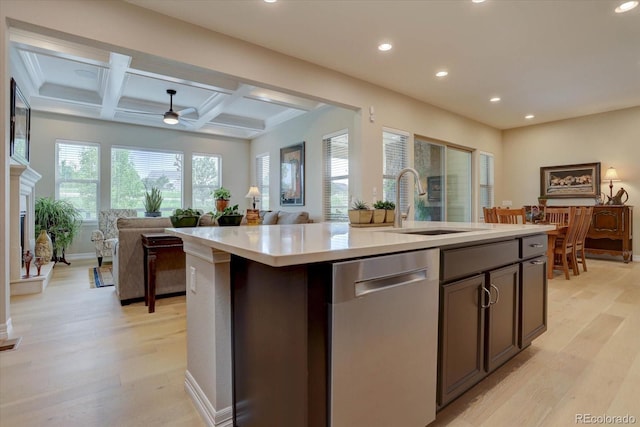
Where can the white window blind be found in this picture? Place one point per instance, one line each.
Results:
(134, 170)
(262, 180)
(486, 197)
(335, 196)
(206, 177)
(77, 176)
(394, 159)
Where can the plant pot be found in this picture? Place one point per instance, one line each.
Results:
(221, 204)
(390, 216)
(184, 221)
(230, 220)
(152, 214)
(378, 216)
(360, 216)
(44, 246)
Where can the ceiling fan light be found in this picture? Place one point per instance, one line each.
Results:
(170, 118)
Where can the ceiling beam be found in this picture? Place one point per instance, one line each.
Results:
(215, 105)
(118, 66)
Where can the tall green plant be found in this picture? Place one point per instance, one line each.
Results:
(153, 200)
(60, 219)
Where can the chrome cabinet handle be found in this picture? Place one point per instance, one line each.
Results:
(488, 293)
(536, 245)
(497, 295)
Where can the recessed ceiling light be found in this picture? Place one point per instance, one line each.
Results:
(495, 99)
(442, 73)
(477, 1)
(626, 6)
(385, 47)
(270, 1)
(529, 116)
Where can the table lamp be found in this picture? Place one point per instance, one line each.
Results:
(611, 175)
(252, 194)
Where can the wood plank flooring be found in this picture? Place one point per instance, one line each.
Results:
(86, 361)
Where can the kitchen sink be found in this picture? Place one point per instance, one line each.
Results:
(433, 232)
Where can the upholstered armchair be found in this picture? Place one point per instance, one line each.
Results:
(106, 236)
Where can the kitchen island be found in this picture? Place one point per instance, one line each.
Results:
(287, 268)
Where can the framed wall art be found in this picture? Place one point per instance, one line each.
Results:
(292, 175)
(570, 181)
(20, 122)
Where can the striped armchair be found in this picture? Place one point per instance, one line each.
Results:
(106, 236)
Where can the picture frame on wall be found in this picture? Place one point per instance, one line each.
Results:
(570, 181)
(20, 125)
(292, 175)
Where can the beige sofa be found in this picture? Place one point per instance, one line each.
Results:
(128, 259)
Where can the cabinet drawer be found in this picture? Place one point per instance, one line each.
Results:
(456, 263)
(533, 245)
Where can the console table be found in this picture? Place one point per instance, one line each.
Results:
(153, 244)
(611, 231)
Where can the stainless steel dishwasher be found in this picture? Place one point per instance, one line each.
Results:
(383, 340)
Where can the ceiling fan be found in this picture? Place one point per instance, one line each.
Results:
(171, 117)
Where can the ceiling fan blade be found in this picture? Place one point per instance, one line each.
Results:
(187, 111)
(141, 112)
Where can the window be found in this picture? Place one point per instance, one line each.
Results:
(78, 176)
(335, 196)
(262, 179)
(485, 197)
(134, 170)
(206, 170)
(394, 159)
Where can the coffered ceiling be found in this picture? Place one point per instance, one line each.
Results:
(63, 77)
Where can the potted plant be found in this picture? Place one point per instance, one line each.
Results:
(185, 217)
(59, 221)
(152, 202)
(379, 212)
(390, 211)
(229, 216)
(360, 213)
(222, 197)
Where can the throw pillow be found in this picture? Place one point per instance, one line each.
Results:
(270, 218)
(293, 217)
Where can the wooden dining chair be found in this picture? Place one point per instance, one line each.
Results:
(511, 216)
(490, 215)
(563, 251)
(559, 216)
(578, 248)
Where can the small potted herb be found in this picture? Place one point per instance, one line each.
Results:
(390, 211)
(222, 197)
(379, 212)
(185, 217)
(230, 216)
(152, 202)
(360, 213)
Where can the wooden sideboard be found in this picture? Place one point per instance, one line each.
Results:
(611, 231)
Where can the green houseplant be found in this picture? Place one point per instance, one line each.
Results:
(152, 202)
(360, 213)
(185, 217)
(60, 220)
(389, 209)
(230, 216)
(222, 197)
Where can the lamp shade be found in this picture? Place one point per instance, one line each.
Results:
(253, 192)
(611, 175)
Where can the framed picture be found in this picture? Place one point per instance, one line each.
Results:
(434, 188)
(20, 125)
(292, 175)
(570, 181)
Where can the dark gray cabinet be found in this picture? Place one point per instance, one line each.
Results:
(493, 303)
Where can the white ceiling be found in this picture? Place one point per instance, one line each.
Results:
(555, 59)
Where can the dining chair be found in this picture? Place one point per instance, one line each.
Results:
(511, 216)
(563, 250)
(490, 215)
(558, 216)
(578, 248)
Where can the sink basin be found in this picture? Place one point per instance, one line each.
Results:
(432, 232)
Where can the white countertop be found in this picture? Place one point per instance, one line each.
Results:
(281, 245)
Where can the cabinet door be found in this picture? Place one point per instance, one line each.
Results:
(502, 316)
(461, 349)
(533, 301)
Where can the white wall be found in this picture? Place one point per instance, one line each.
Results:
(612, 138)
(47, 127)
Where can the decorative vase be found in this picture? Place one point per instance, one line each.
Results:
(152, 214)
(44, 247)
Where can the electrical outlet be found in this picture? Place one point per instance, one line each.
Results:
(192, 279)
(507, 203)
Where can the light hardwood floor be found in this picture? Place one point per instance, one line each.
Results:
(86, 361)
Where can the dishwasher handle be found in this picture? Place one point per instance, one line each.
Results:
(365, 287)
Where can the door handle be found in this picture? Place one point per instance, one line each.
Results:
(488, 293)
(497, 295)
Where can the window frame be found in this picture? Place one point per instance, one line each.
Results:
(328, 178)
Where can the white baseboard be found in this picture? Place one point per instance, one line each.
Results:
(213, 418)
(5, 330)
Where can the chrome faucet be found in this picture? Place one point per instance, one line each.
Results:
(398, 217)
